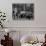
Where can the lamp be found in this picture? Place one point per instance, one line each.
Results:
(7, 31)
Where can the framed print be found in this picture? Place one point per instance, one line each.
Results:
(23, 11)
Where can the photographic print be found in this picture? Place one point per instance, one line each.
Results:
(22, 11)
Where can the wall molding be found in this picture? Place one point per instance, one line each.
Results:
(24, 28)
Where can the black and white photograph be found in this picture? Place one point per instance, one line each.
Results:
(23, 11)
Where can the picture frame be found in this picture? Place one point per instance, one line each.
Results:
(23, 11)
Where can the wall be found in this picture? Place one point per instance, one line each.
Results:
(38, 24)
(39, 13)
